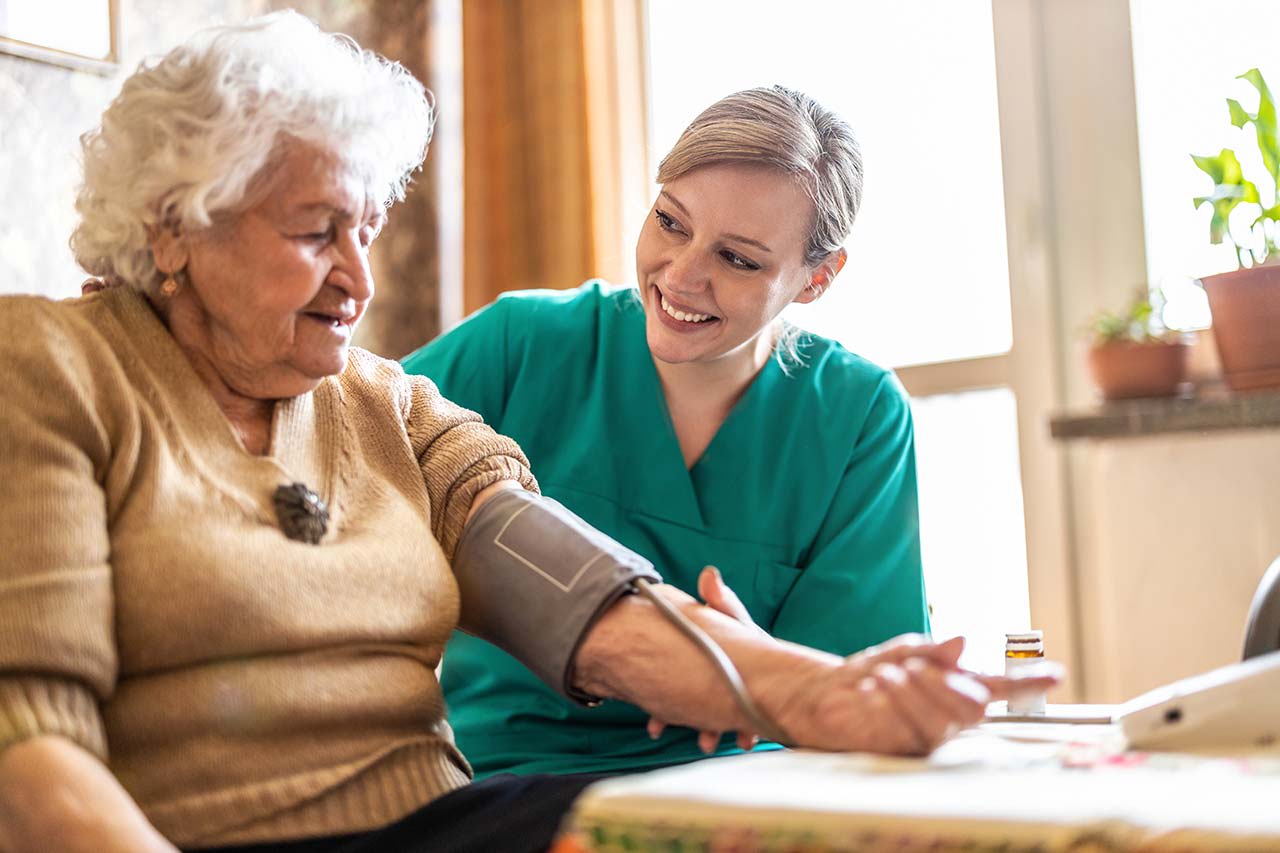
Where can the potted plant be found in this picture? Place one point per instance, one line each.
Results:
(1133, 355)
(1246, 303)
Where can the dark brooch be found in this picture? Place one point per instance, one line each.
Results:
(302, 514)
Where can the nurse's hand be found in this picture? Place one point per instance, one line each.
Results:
(717, 595)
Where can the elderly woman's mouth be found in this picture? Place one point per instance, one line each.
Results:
(333, 320)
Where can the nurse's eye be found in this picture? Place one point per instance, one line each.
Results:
(737, 261)
(667, 223)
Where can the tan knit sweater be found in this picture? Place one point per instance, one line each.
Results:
(242, 686)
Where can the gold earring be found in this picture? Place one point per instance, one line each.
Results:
(170, 286)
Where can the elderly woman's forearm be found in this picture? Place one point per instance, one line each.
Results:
(635, 654)
(54, 795)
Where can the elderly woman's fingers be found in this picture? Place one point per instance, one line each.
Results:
(931, 722)
(905, 646)
(747, 741)
(1035, 678)
(886, 729)
(965, 699)
(655, 728)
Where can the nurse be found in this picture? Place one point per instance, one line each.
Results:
(685, 419)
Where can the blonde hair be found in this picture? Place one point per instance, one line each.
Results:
(780, 127)
(787, 130)
(193, 134)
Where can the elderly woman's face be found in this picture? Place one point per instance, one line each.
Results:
(719, 258)
(275, 295)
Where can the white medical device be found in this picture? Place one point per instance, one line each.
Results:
(1233, 706)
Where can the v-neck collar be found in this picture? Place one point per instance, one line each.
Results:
(666, 488)
(304, 444)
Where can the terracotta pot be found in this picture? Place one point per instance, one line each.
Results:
(1246, 323)
(1124, 369)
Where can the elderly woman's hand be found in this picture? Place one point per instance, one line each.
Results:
(905, 698)
(912, 694)
(902, 698)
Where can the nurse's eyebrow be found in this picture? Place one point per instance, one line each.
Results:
(738, 238)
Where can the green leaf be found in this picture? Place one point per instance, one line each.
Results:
(1239, 117)
(1224, 168)
(1229, 189)
(1264, 123)
(1271, 213)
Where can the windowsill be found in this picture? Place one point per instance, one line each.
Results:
(1209, 409)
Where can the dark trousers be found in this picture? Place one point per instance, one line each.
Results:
(501, 814)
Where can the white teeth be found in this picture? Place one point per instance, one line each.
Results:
(680, 315)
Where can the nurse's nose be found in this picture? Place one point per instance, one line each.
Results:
(687, 272)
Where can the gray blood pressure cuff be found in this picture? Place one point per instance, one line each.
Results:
(533, 577)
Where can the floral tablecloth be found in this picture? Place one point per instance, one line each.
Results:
(1006, 787)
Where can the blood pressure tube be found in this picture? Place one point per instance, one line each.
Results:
(1022, 650)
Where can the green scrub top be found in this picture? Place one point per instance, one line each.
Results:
(805, 500)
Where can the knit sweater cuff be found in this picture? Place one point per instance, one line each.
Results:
(486, 472)
(34, 705)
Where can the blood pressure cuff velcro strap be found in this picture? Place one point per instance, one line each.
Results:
(533, 578)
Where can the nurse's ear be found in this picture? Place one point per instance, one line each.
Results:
(821, 276)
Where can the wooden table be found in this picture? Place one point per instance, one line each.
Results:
(1004, 786)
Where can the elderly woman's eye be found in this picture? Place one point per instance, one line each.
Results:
(317, 236)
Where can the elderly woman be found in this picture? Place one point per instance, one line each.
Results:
(232, 547)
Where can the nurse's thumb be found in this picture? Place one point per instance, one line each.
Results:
(718, 596)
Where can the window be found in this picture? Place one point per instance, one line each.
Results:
(1186, 56)
(77, 33)
(927, 284)
(927, 278)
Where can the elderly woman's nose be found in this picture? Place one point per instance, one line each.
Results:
(351, 272)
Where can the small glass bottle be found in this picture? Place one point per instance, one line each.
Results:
(1022, 650)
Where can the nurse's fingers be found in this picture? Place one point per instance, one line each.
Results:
(718, 595)
(708, 741)
(746, 740)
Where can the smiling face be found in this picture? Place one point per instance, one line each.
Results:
(274, 296)
(720, 256)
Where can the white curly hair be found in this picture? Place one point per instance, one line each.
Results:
(193, 134)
